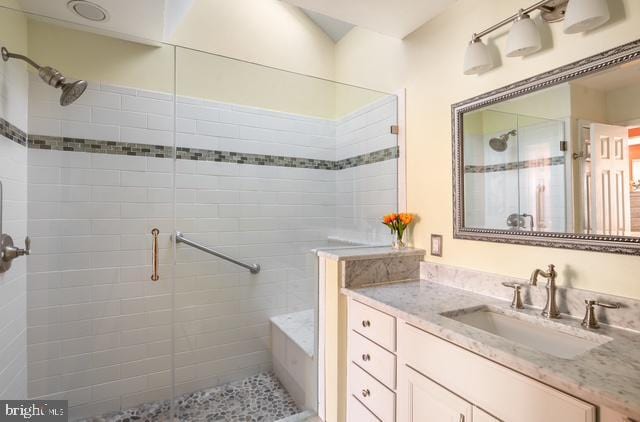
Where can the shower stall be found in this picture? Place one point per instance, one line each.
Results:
(142, 197)
(515, 172)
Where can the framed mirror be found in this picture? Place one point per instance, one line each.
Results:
(553, 160)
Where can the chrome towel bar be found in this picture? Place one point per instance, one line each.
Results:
(253, 268)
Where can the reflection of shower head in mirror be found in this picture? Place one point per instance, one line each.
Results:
(499, 144)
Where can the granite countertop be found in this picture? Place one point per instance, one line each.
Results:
(607, 375)
(367, 252)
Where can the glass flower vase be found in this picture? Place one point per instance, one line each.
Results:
(398, 242)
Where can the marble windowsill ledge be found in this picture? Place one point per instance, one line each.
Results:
(608, 375)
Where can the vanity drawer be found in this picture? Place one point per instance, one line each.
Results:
(373, 324)
(372, 358)
(359, 413)
(373, 394)
(508, 395)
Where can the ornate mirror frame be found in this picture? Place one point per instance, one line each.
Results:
(588, 242)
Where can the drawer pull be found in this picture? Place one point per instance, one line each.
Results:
(366, 323)
(366, 357)
(366, 392)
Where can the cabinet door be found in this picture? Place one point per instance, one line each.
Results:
(608, 415)
(422, 400)
(480, 415)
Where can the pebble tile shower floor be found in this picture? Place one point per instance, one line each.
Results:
(260, 398)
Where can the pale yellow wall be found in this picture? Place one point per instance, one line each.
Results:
(199, 74)
(623, 105)
(435, 81)
(99, 58)
(269, 32)
(231, 81)
(13, 28)
(366, 58)
(588, 104)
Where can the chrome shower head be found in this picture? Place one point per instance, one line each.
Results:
(71, 91)
(499, 144)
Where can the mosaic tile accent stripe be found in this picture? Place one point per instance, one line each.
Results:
(369, 158)
(515, 165)
(255, 159)
(101, 147)
(12, 132)
(182, 153)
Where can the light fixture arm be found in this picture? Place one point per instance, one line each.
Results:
(540, 5)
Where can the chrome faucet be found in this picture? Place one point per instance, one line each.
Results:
(550, 308)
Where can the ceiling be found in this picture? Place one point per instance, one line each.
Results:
(147, 21)
(334, 28)
(396, 18)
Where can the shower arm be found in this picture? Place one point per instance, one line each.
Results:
(51, 76)
(6, 56)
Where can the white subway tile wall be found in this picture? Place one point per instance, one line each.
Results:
(99, 330)
(13, 283)
(365, 193)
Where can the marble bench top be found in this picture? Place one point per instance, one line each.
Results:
(367, 253)
(608, 375)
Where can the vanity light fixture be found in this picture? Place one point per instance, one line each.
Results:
(584, 15)
(524, 37)
(477, 58)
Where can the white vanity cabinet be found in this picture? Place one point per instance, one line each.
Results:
(424, 400)
(371, 368)
(397, 372)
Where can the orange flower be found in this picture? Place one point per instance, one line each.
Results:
(390, 218)
(406, 219)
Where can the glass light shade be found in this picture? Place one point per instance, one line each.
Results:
(583, 15)
(524, 38)
(477, 58)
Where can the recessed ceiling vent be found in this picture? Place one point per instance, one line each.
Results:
(86, 9)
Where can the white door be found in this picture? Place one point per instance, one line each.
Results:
(610, 190)
(422, 400)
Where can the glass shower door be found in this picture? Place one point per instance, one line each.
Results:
(100, 180)
(270, 165)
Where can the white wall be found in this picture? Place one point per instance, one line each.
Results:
(13, 174)
(366, 193)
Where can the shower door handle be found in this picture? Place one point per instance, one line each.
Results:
(154, 259)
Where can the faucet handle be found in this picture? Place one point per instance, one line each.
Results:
(27, 245)
(607, 305)
(516, 302)
(590, 320)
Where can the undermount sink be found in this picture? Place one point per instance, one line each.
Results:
(529, 331)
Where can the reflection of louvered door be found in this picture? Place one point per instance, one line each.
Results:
(610, 190)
